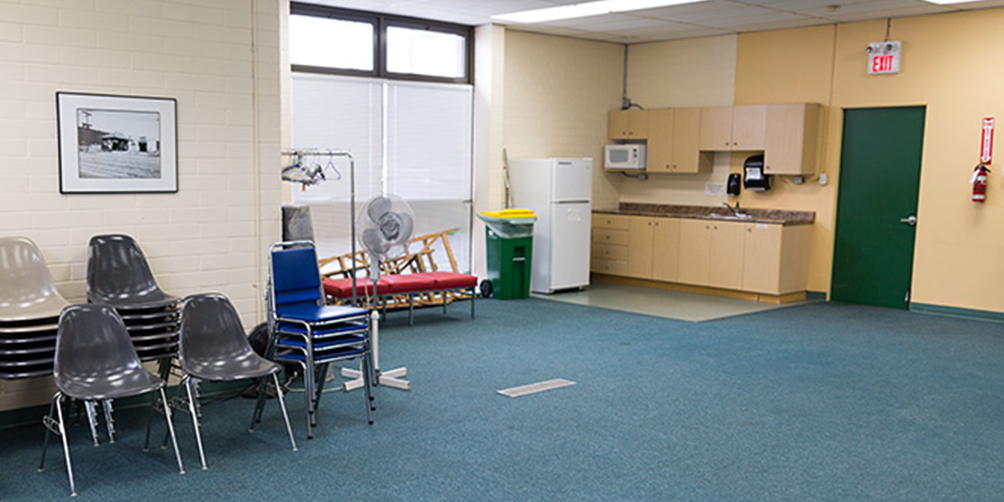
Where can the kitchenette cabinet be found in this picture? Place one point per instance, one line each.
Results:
(653, 248)
(739, 128)
(627, 124)
(609, 253)
(674, 141)
(745, 256)
(791, 138)
(711, 253)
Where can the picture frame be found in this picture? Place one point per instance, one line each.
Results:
(117, 144)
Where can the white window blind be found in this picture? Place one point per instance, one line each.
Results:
(410, 139)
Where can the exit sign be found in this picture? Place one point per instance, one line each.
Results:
(884, 57)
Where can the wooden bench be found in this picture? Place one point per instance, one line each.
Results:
(408, 280)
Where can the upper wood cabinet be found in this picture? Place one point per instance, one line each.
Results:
(725, 128)
(673, 141)
(627, 124)
(716, 128)
(792, 138)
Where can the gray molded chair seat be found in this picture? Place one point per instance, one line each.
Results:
(26, 288)
(214, 346)
(95, 361)
(119, 275)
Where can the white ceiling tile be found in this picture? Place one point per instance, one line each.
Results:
(706, 18)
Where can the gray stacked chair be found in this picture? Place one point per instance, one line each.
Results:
(96, 361)
(29, 311)
(118, 275)
(214, 347)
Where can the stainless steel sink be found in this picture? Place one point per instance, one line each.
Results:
(733, 217)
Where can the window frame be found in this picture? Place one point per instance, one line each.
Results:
(380, 24)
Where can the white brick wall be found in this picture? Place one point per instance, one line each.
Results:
(220, 60)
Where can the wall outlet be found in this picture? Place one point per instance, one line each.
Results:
(798, 180)
(823, 179)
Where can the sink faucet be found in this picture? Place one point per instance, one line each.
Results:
(733, 210)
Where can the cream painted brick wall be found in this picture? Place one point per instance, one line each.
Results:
(220, 60)
(558, 91)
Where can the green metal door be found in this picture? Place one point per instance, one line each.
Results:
(879, 181)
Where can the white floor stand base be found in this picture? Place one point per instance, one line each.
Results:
(390, 378)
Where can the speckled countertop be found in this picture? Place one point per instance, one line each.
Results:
(775, 216)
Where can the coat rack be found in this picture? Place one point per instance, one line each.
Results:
(305, 170)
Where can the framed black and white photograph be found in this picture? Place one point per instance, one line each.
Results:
(117, 144)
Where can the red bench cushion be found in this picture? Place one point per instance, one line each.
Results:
(452, 280)
(409, 283)
(342, 288)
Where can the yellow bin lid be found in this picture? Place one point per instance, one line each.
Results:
(510, 213)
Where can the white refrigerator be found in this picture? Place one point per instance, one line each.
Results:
(560, 191)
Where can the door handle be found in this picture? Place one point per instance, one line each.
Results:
(910, 220)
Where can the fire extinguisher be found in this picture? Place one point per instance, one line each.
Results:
(979, 181)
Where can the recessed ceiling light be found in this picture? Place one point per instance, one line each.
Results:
(946, 2)
(585, 10)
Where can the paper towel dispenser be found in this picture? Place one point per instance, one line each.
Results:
(753, 175)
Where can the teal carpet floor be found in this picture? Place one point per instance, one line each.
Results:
(819, 402)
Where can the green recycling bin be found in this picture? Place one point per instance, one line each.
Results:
(509, 244)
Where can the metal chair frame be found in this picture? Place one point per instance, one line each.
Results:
(315, 344)
(58, 425)
(191, 375)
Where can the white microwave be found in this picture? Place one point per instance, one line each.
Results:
(630, 156)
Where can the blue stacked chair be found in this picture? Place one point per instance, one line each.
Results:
(307, 332)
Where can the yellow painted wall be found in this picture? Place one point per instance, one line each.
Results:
(950, 64)
(558, 91)
(675, 74)
(786, 66)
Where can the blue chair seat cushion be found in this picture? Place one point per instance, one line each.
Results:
(322, 357)
(315, 314)
(321, 331)
(319, 346)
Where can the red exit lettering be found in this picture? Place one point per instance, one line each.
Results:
(881, 64)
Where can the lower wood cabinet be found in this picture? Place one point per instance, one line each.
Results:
(753, 257)
(653, 248)
(711, 253)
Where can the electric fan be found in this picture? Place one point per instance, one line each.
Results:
(384, 222)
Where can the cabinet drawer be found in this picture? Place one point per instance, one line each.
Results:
(609, 252)
(610, 236)
(616, 221)
(612, 267)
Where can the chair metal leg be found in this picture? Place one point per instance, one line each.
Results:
(47, 422)
(195, 420)
(259, 404)
(149, 421)
(109, 420)
(92, 419)
(411, 310)
(444, 302)
(66, 446)
(308, 393)
(472, 303)
(170, 428)
(282, 405)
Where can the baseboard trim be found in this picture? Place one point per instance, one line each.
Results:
(963, 313)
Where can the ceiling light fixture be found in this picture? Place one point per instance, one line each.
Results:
(947, 2)
(585, 10)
